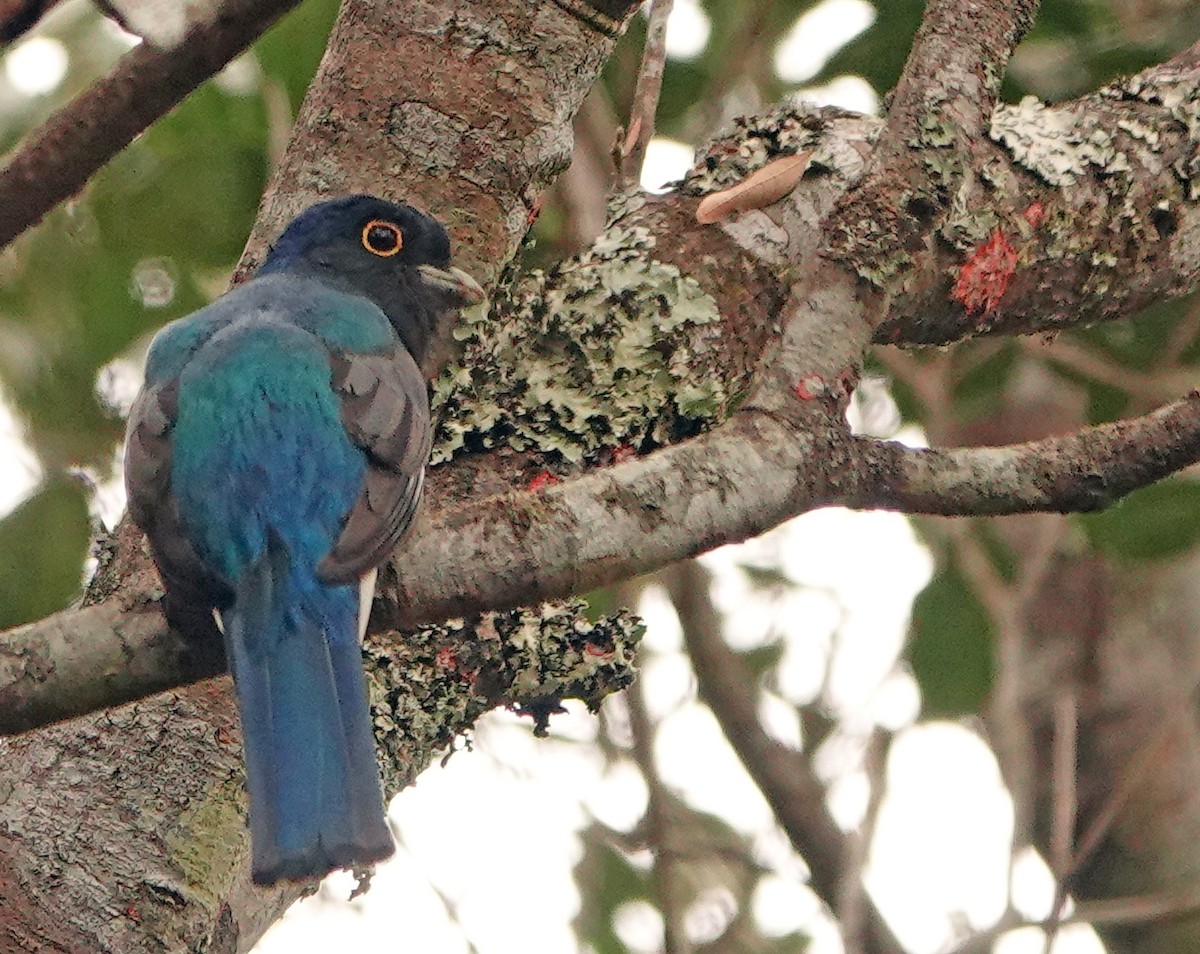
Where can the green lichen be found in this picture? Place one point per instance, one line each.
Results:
(968, 224)
(199, 844)
(593, 354)
(433, 683)
(935, 130)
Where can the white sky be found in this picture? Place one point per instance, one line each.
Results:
(492, 836)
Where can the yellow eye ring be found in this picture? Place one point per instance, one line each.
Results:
(382, 238)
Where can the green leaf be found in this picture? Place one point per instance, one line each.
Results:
(1154, 523)
(606, 880)
(951, 646)
(42, 546)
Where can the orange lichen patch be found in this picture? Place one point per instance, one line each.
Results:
(983, 278)
(542, 480)
(758, 190)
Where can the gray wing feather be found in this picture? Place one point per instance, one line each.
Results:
(385, 409)
(190, 586)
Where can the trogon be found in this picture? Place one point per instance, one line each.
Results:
(274, 457)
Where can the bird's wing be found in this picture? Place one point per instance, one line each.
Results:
(154, 508)
(385, 409)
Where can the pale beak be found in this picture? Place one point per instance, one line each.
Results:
(454, 282)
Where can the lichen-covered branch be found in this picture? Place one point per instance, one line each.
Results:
(152, 794)
(516, 548)
(951, 81)
(1075, 473)
(55, 161)
(690, 339)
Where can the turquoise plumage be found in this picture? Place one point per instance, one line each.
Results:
(275, 456)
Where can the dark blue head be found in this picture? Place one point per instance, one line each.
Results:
(387, 252)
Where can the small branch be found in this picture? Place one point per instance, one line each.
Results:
(785, 777)
(1150, 387)
(17, 17)
(657, 822)
(1065, 806)
(1011, 734)
(854, 910)
(645, 96)
(56, 161)
(1079, 472)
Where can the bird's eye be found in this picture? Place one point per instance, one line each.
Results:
(382, 238)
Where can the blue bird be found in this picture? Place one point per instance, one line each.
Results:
(274, 457)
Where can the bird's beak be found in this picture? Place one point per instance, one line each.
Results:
(454, 282)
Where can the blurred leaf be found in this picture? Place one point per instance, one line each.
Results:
(42, 546)
(951, 646)
(1153, 523)
(766, 577)
(979, 390)
(763, 659)
(606, 880)
(290, 52)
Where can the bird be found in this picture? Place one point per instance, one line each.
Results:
(274, 457)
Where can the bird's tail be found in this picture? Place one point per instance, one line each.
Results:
(315, 801)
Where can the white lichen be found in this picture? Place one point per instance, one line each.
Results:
(1054, 143)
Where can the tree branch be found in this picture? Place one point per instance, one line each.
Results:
(1076, 473)
(783, 775)
(55, 161)
(515, 549)
(19, 16)
(645, 96)
(800, 468)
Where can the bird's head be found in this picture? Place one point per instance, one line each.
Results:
(390, 253)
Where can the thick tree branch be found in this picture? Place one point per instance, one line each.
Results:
(517, 548)
(436, 582)
(951, 80)
(55, 161)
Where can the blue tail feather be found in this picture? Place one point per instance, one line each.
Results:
(315, 800)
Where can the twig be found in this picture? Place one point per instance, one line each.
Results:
(1156, 387)
(56, 160)
(19, 16)
(645, 96)
(1111, 912)
(657, 822)
(785, 777)
(1127, 783)
(854, 905)
(1010, 728)
(1065, 806)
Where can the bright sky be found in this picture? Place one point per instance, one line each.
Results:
(489, 841)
